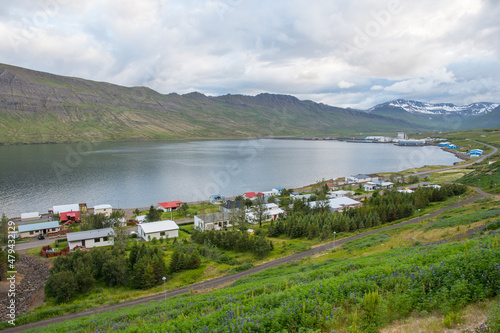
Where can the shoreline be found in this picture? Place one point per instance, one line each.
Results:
(298, 188)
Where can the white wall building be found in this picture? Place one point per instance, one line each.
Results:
(159, 229)
(214, 221)
(34, 229)
(30, 216)
(103, 209)
(340, 193)
(91, 238)
(65, 208)
(337, 204)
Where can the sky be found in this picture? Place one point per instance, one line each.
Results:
(338, 52)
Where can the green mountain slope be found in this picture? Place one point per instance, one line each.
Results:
(40, 107)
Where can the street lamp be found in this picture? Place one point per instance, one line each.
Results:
(418, 215)
(334, 240)
(164, 289)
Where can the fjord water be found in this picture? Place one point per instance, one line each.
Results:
(138, 174)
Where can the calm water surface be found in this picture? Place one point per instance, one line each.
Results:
(138, 174)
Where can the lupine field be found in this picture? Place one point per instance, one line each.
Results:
(361, 294)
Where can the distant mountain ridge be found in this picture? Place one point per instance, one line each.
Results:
(473, 109)
(38, 107)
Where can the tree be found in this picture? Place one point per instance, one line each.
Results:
(115, 270)
(3, 264)
(95, 221)
(260, 210)
(241, 219)
(183, 209)
(248, 203)
(4, 227)
(137, 211)
(194, 260)
(121, 236)
(153, 214)
(62, 286)
(271, 199)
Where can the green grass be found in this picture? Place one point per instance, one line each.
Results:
(465, 219)
(322, 295)
(365, 242)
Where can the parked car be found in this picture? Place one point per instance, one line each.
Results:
(41, 236)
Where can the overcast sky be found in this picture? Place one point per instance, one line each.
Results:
(339, 52)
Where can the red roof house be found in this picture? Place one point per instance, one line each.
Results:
(70, 216)
(250, 195)
(169, 206)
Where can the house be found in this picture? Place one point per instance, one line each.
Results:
(360, 178)
(65, 208)
(434, 186)
(169, 206)
(103, 209)
(337, 204)
(250, 195)
(30, 216)
(301, 197)
(370, 186)
(340, 193)
(70, 216)
(229, 205)
(216, 199)
(159, 229)
(406, 191)
(140, 218)
(272, 212)
(475, 153)
(34, 229)
(277, 190)
(412, 142)
(214, 221)
(444, 144)
(452, 146)
(377, 184)
(91, 238)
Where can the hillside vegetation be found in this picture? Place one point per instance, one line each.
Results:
(37, 107)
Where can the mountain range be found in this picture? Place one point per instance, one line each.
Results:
(38, 107)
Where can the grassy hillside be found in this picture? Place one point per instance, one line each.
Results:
(40, 107)
(345, 295)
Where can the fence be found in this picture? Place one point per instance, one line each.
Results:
(60, 232)
(49, 252)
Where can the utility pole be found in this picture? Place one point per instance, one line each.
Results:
(164, 289)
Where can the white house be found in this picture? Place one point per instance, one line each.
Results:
(159, 229)
(103, 209)
(361, 178)
(337, 204)
(214, 221)
(91, 238)
(30, 216)
(340, 193)
(277, 190)
(406, 191)
(301, 197)
(141, 218)
(377, 184)
(65, 208)
(271, 212)
(34, 229)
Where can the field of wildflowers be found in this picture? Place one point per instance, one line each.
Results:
(335, 295)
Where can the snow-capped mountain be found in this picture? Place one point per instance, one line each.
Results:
(473, 109)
